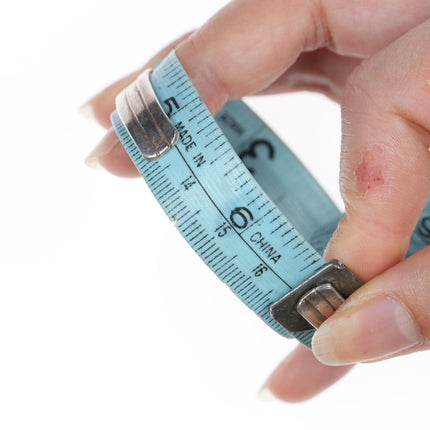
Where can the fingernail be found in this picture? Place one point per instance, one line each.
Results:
(265, 394)
(87, 110)
(103, 103)
(369, 331)
(103, 148)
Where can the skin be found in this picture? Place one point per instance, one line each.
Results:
(373, 57)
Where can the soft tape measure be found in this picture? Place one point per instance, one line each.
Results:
(240, 198)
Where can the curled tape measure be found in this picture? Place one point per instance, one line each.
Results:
(240, 198)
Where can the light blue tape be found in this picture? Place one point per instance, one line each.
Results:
(253, 230)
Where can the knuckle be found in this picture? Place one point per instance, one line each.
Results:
(321, 34)
(357, 90)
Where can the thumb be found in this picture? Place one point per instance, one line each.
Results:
(385, 160)
(389, 316)
(385, 181)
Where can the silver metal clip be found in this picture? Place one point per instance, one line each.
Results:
(145, 119)
(308, 305)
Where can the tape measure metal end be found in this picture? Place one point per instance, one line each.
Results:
(145, 119)
(308, 305)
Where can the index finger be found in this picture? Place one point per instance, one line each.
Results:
(248, 44)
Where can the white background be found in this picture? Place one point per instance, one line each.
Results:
(108, 320)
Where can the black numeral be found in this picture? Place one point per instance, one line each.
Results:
(424, 228)
(223, 229)
(171, 104)
(240, 217)
(251, 151)
(188, 183)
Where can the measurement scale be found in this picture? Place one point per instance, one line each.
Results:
(240, 198)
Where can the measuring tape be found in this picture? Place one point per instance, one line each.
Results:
(240, 198)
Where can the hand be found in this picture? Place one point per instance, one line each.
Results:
(373, 57)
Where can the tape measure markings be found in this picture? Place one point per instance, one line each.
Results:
(238, 233)
(245, 216)
(239, 229)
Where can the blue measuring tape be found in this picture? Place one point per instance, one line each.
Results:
(240, 198)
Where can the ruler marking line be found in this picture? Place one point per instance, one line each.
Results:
(226, 269)
(276, 229)
(168, 191)
(291, 240)
(178, 204)
(229, 149)
(197, 235)
(204, 119)
(252, 302)
(213, 140)
(212, 131)
(258, 220)
(180, 210)
(206, 243)
(175, 80)
(196, 115)
(276, 218)
(221, 213)
(239, 291)
(202, 238)
(232, 271)
(230, 160)
(173, 201)
(255, 199)
(169, 184)
(310, 256)
(237, 280)
(227, 262)
(287, 232)
(245, 292)
(181, 85)
(240, 175)
(193, 230)
(184, 90)
(233, 168)
(231, 279)
(155, 187)
(216, 256)
(222, 259)
(189, 219)
(245, 280)
(206, 250)
(159, 178)
(220, 145)
(309, 265)
(299, 244)
(301, 253)
(149, 175)
(171, 196)
(258, 302)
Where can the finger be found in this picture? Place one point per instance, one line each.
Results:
(326, 17)
(385, 161)
(249, 44)
(388, 316)
(385, 182)
(109, 153)
(337, 344)
(320, 71)
(301, 376)
(102, 104)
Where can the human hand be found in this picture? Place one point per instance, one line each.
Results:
(373, 58)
